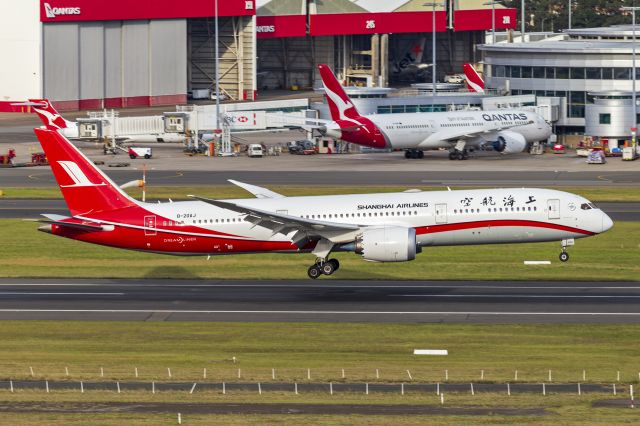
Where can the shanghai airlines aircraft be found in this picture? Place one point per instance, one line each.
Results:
(51, 118)
(475, 83)
(508, 131)
(379, 227)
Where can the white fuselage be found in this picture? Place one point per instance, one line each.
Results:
(482, 216)
(433, 130)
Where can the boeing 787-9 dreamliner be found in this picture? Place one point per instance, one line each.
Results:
(390, 227)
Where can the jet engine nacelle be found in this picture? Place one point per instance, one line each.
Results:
(509, 142)
(387, 244)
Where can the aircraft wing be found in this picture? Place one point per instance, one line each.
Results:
(280, 223)
(258, 191)
(453, 135)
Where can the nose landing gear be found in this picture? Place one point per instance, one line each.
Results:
(564, 256)
(321, 266)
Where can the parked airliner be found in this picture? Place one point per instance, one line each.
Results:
(388, 227)
(507, 131)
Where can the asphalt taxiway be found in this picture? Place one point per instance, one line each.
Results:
(321, 301)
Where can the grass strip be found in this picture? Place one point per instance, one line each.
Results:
(612, 256)
(290, 351)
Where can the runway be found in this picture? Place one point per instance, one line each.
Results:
(30, 209)
(321, 301)
(43, 177)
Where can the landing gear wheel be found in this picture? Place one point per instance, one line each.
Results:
(328, 268)
(407, 154)
(452, 155)
(314, 272)
(420, 154)
(564, 256)
(460, 155)
(336, 264)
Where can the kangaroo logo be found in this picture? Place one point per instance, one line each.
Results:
(344, 107)
(77, 175)
(51, 117)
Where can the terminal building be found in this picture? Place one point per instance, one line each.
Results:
(90, 54)
(588, 69)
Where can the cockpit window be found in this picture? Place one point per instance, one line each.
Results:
(588, 206)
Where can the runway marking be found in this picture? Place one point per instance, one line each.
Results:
(29, 293)
(523, 296)
(165, 311)
(316, 286)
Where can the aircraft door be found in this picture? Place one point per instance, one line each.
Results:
(150, 225)
(441, 213)
(553, 207)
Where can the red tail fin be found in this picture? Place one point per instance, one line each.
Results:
(475, 83)
(340, 105)
(48, 114)
(85, 188)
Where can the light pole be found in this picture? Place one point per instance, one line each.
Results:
(493, 18)
(522, 20)
(634, 129)
(433, 50)
(217, 73)
(570, 2)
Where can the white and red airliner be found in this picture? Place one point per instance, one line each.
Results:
(507, 131)
(389, 227)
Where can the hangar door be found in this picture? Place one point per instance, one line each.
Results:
(237, 55)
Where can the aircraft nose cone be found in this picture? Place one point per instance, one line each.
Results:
(607, 223)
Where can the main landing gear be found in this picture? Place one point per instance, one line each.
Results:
(455, 154)
(413, 153)
(564, 256)
(321, 266)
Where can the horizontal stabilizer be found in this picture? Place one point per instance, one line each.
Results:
(56, 219)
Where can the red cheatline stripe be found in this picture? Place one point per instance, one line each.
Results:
(488, 223)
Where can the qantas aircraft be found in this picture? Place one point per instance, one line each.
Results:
(507, 131)
(475, 83)
(389, 227)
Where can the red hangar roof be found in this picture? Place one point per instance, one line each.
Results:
(292, 18)
(108, 10)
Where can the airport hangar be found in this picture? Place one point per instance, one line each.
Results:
(92, 54)
(588, 70)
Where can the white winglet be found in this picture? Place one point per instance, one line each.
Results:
(258, 191)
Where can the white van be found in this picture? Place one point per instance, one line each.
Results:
(255, 150)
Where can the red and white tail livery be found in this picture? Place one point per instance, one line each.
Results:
(386, 227)
(475, 83)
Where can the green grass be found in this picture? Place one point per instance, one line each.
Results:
(187, 348)
(614, 255)
(596, 194)
(325, 349)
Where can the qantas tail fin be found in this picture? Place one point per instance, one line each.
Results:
(85, 188)
(340, 105)
(475, 83)
(48, 114)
